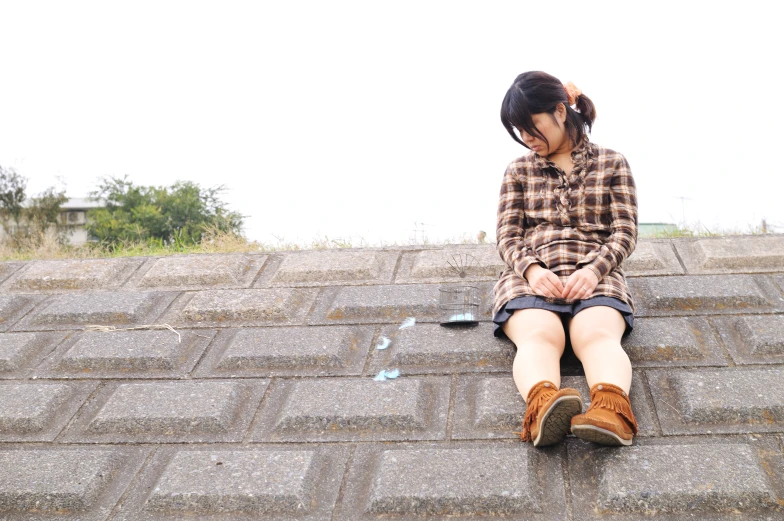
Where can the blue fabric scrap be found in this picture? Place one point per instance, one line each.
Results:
(410, 321)
(385, 374)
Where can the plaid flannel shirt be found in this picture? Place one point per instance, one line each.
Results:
(564, 223)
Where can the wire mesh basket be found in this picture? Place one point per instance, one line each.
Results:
(459, 305)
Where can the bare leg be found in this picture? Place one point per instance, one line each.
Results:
(595, 335)
(540, 339)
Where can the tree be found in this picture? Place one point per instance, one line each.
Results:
(23, 218)
(12, 196)
(179, 214)
(44, 209)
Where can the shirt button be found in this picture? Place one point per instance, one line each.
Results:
(600, 387)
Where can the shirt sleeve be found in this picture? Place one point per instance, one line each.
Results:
(512, 247)
(623, 227)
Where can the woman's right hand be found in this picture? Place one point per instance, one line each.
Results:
(543, 281)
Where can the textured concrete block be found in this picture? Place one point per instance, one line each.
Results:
(64, 483)
(71, 484)
(202, 271)
(652, 257)
(373, 304)
(14, 347)
(753, 339)
(673, 340)
(343, 267)
(756, 253)
(712, 294)
(125, 354)
(8, 268)
(472, 480)
(337, 409)
(28, 407)
(71, 274)
(75, 310)
(170, 412)
(727, 400)
(684, 479)
(273, 482)
(38, 411)
(20, 352)
(450, 264)
(489, 407)
(236, 485)
(432, 348)
(387, 303)
(457, 481)
(288, 351)
(248, 307)
(13, 307)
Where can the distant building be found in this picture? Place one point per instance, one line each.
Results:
(650, 229)
(73, 216)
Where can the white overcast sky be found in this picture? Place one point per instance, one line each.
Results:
(356, 120)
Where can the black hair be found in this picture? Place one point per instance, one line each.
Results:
(536, 92)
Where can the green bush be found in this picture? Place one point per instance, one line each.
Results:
(179, 214)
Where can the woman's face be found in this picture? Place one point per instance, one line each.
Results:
(552, 127)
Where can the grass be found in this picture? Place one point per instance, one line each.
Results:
(698, 229)
(45, 246)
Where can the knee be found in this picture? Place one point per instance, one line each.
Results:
(537, 329)
(554, 338)
(595, 338)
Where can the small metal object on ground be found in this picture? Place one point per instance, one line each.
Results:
(459, 306)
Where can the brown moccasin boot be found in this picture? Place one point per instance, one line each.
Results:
(548, 414)
(609, 419)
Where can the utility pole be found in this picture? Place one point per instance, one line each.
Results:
(416, 230)
(683, 208)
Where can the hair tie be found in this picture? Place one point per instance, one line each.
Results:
(572, 92)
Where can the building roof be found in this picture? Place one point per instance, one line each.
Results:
(255, 373)
(82, 203)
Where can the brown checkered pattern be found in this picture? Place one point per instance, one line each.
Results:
(564, 223)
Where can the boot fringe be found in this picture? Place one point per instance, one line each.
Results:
(528, 420)
(533, 407)
(608, 400)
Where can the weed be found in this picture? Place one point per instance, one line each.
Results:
(46, 245)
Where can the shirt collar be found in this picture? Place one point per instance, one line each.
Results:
(582, 155)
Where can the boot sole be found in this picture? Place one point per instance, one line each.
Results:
(557, 421)
(599, 435)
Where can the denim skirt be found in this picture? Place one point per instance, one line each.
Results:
(564, 310)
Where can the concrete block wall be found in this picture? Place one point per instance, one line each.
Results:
(260, 402)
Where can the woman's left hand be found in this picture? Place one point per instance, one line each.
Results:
(580, 284)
